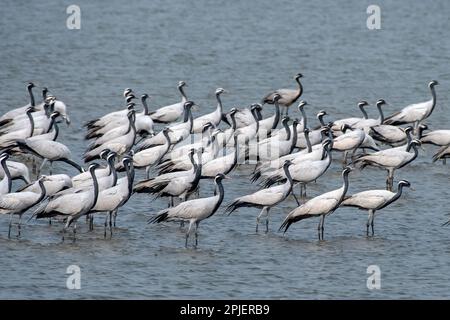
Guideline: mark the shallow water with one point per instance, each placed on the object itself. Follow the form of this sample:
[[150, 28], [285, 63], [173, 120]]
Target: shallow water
[[246, 48]]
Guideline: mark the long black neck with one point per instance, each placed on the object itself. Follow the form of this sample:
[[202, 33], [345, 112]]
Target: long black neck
[[7, 174], [219, 103], [94, 179], [302, 110], [197, 176], [322, 123], [288, 130], [365, 115], [381, 113], [308, 142], [221, 195], [277, 116], [183, 95], [396, 196], [256, 119], [191, 121], [112, 170], [416, 151], [30, 117], [236, 153], [130, 177], [56, 128], [294, 136], [233, 121], [145, 105], [408, 140], [191, 158], [43, 192], [300, 87], [288, 176], [166, 134], [255, 115], [345, 187], [133, 129], [433, 94], [30, 92]]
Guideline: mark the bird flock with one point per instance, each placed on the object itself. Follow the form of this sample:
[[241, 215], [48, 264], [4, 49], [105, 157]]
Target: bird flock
[[178, 151]]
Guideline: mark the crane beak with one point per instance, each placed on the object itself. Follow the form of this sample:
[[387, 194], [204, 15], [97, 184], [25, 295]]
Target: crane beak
[[195, 107]]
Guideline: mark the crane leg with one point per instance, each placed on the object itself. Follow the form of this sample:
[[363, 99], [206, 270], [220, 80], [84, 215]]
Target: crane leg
[[259, 217], [188, 232], [10, 225], [371, 223], [368, 223], [267, 220], [40, 168], [196, 233], [115, 216], [74, 232], [105, 226], [320, 228], [110, 224], [19, 226], [298, 202]]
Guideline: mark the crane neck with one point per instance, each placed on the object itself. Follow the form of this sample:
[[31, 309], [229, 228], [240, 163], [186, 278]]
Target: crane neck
[[7, 174], [363, 111], [30, 117], [30, 93], [308, 142], [219, 186], [277, 115]]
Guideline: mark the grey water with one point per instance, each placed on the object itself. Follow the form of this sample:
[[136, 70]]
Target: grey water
[[248, 48]]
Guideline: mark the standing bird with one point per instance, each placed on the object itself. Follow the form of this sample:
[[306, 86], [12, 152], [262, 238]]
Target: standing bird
[[48, 150], [319, 206], [119, 145], [193, 211], [172, 112], [288, 96], [111, 199], [390, 159], [72, 205], [374, 200], [304, 172], [415, 113], [179, 185], [348, 141], [19, 202], [265, 198], [214, 117], [146, 158]]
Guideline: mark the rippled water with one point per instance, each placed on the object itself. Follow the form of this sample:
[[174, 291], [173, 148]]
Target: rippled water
[[247, 48]]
